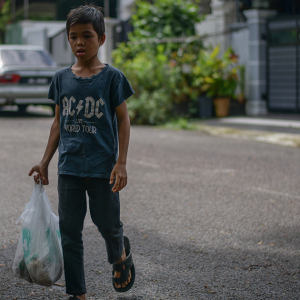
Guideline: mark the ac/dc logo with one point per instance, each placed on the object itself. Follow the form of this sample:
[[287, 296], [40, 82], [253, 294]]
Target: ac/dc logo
[[91, 107]]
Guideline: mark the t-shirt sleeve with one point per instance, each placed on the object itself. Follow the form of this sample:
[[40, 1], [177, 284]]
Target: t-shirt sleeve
[[53, 93], [121, 90]]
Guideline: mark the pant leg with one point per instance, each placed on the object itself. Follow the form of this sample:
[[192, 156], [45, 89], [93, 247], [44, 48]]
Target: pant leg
[[105, 213], [72, 211]]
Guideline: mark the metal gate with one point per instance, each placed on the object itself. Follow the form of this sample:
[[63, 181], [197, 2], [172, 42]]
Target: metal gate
[[283, 65]]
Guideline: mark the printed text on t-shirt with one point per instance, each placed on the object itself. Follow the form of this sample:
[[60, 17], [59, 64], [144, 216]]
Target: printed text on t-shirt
[[90, 110], [72, 108]]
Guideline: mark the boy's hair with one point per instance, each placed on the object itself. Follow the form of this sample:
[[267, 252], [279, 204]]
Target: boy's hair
[[87, 14]]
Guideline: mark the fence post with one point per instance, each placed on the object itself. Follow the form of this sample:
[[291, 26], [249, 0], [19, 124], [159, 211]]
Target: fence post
[[257, 26]]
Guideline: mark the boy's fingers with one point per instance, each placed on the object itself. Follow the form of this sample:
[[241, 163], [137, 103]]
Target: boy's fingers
[[117, 188], [120, 183], [32, 171], [36, 178], [123, 183], [44, 180], [111, 179], [116, 185], [120, 186]]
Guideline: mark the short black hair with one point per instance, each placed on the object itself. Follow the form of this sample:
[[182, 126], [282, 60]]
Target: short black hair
[[87, 14]]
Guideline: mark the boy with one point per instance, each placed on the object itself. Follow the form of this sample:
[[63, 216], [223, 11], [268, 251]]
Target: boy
[[91, 126]]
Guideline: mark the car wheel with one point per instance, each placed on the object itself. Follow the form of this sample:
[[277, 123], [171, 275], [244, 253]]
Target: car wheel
[[22, 108]]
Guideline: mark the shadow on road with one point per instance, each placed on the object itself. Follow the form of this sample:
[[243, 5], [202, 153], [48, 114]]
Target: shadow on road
[[172, 270]]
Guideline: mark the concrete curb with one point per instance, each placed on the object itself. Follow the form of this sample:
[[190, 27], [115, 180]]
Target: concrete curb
[[283, 139]]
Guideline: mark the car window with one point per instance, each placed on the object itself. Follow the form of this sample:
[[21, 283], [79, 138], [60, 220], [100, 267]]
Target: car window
[[26, 57]]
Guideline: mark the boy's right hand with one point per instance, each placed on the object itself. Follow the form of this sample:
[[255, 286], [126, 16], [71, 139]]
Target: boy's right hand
[[42, 174]]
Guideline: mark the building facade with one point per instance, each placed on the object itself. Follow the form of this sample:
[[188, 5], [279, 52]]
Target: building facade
[[50, 33], [264, 33], [266, 36]]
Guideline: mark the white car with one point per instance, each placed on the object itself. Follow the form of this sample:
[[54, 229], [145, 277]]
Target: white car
[[25, 76]]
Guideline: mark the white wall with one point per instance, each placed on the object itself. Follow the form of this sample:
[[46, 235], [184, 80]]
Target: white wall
[[215, 28], [125, 9], [33, 32], [61, 50], [104, 54], [239, 41], [30, 29], [37, 38]]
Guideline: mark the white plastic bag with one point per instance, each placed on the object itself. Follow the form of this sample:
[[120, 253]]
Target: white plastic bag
[[39, 256]]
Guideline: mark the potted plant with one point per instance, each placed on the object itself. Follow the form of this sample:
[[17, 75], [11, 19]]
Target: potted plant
[[217, 77], [203, 103]]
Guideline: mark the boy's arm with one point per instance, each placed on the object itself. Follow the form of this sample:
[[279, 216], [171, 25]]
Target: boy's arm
[[42, 168], [119, 171]]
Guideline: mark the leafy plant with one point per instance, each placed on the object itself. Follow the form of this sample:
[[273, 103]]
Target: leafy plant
[[149, 108], [181, 123], [4, 18], [157, 62], [164, 18], [161, 22], [153, 80], [214, 76]]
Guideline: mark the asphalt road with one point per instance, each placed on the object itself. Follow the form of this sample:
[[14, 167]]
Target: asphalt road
[[207, 217]]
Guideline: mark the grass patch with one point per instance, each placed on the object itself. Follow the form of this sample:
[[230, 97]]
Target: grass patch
[[181, 124]]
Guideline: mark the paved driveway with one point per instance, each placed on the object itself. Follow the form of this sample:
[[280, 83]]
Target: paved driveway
[[208, 217]]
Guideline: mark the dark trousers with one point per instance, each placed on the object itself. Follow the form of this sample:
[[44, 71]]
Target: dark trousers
[[105, 213]]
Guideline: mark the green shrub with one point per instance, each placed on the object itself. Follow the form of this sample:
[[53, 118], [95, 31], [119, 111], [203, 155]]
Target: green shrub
[[150, 108], [154, 81], [217, 76], [165, 18], [156, 68]]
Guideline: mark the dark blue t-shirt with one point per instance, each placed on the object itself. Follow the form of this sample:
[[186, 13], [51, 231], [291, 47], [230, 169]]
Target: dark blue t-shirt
[[88, 145]]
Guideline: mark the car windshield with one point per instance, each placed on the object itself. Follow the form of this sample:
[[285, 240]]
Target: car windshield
[[26, 57]]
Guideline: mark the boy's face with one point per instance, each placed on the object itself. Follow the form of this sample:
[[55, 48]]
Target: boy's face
[[84, 41]]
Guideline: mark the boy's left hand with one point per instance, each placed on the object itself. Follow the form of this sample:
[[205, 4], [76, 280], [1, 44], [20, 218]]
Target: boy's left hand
[[118, 173]]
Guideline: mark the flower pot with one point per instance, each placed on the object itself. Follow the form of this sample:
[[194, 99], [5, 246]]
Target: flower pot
[[205, 107], [222, 106]]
